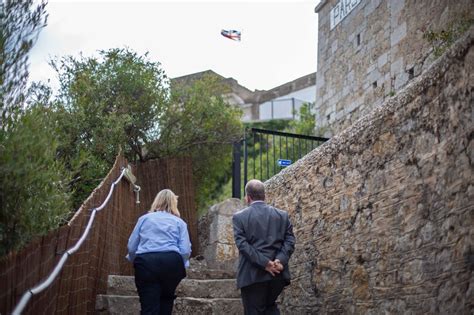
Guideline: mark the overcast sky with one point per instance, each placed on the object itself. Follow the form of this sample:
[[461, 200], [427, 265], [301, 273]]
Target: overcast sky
[[279, 38]]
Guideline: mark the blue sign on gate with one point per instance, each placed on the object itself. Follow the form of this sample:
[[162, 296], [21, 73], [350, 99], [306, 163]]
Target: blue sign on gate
[[284, 163]]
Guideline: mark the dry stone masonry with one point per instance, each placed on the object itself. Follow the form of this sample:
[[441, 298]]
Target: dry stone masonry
[[216, 236], [373, 51], [383, 213]]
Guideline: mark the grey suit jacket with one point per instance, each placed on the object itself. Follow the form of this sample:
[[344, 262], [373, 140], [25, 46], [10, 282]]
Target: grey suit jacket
[[262, 233]]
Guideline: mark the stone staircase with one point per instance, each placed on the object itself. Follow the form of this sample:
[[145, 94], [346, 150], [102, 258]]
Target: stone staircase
[[203, 291]]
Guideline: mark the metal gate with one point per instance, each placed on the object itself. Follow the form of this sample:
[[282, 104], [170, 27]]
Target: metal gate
[[263, 153]]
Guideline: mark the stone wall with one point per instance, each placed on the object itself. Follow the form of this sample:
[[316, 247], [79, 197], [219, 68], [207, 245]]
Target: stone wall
[[383, 213], [216, 236], [374, 52]]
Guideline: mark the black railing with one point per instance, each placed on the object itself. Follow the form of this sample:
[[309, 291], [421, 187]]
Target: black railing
[[266, 153]]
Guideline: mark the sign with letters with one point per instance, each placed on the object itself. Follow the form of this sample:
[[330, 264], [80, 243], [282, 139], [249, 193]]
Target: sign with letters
[[284, 163], [341, 10]]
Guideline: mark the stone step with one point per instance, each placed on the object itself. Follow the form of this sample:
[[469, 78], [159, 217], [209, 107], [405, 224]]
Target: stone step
[[130, 305], [121, 285], [201, 273], [195, 288], [218, 306], [215, 288], [200, 270]]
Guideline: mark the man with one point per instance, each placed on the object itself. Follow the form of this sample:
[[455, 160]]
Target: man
[[264, 237]]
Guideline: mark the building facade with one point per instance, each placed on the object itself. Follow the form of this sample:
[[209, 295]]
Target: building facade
[[282, 102], [237, 94], [370, 49]]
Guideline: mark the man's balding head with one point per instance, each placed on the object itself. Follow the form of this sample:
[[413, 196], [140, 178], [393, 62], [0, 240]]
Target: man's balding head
[[255, 190]]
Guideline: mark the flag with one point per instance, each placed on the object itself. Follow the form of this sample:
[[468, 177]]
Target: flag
[[231, 34]]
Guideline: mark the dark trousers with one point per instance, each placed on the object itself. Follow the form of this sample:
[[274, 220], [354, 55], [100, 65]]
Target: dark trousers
[[156, 276], [259, 298]]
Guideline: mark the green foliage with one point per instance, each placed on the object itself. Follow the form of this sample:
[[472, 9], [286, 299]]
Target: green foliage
[[443, 39], [115, 101], [199, 123], [263, 158], [306, 123], [223, 194], [265, 165], [265, 151], [106, 104], [20, 23], [124, 100], [274, 124], [34, 196]]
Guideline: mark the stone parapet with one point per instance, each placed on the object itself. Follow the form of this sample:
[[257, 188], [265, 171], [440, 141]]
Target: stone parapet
[[216, 235], [383, 212]]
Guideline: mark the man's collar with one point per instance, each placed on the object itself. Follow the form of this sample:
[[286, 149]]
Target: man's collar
[[257, 201]]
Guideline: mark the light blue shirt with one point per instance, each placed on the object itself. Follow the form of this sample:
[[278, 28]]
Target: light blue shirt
[[159, 231]]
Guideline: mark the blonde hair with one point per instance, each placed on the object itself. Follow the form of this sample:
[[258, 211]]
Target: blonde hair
[[167, 201]]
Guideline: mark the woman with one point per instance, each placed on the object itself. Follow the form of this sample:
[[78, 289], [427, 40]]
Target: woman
[[159, 248]]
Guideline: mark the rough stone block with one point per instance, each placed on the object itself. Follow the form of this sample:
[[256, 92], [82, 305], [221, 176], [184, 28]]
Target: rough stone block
[[400, 80], [396, 6], [117, 305], [216, 235], [374, 76], [382, 60], [397, 67], [130, 305], [398, 34], [213, 288], [334, 46], [121, 285], [194, 306]]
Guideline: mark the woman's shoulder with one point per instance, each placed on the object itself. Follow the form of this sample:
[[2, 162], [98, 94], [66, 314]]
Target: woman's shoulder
[[148, 215], [178, 219], [181, 221], [171, 216]]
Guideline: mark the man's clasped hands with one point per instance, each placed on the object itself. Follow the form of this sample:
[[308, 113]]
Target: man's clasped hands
[[274, 267]]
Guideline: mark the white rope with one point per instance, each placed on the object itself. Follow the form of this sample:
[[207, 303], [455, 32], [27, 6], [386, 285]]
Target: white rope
[[46, 283]]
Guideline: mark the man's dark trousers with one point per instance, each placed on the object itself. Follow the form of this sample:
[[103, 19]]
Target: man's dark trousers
[[259, 298], [156, 276]]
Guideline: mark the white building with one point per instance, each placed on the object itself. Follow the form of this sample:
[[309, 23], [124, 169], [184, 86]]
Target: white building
[[288, 105], [281, 102]]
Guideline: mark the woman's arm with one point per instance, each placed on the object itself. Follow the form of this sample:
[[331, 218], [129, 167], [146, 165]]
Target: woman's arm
[[184, 244], [134, 240]]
